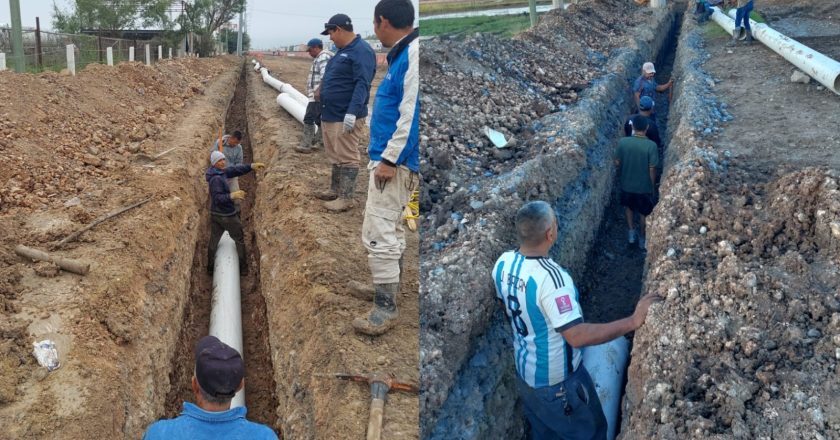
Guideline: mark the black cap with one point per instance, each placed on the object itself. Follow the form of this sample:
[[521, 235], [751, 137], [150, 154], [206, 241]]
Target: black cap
[[337, 20], [219, 368]]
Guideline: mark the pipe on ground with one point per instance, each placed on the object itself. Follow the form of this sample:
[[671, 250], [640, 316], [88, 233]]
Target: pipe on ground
[[607, 364], [292, 105], [283, 87], [226, 308], [728, 24], [823, 69]]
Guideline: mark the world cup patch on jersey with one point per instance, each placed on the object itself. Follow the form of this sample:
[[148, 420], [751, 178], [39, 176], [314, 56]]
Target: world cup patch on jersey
[[564, 303]]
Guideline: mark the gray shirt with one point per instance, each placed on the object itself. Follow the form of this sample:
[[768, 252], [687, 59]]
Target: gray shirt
[[233, 154]]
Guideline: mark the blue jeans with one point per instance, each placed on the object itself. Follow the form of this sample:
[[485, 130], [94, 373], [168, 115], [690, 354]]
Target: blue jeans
[[743, 13], [569, 410]]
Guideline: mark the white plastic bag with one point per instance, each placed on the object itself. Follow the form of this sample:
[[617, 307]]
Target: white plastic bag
[[47, 354]]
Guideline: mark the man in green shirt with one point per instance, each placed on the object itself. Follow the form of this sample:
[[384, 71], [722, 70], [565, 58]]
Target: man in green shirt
[[636, 159]]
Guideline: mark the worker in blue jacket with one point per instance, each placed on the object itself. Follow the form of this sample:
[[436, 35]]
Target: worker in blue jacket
[[394, 161], [223, 207], [345, 91]]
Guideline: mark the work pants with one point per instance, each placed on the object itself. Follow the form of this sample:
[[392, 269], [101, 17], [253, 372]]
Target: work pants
[[313, 114], [218, 225], [383, 233], [569, 410], [342, 148], [743, 13]]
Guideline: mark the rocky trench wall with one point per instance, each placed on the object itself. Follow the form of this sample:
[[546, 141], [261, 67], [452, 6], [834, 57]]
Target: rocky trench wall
[[466, 364]]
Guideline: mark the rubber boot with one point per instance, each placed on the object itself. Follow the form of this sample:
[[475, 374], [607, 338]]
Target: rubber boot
[[305, 146], [318, 139], [332, 193], [749, 38], [346, 188], [364, 291], [383, 316]]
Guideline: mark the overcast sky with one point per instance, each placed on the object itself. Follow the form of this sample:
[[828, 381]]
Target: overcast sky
[[271, 23]]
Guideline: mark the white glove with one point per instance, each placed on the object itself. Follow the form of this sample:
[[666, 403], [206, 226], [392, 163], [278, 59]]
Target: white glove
[[349, 122]]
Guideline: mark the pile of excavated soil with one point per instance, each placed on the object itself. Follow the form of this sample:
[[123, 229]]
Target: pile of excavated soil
[[508, 84], [68, 145], [308, 255]]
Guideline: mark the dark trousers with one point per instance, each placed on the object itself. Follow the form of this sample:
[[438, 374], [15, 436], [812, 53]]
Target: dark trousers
[[743, 13], [218, 225], [313, 114], [569, 410]]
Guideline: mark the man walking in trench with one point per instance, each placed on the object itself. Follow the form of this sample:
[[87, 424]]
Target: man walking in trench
[[345, 91], [394, 161]]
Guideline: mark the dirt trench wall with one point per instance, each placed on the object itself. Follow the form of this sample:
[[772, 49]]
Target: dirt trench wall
[[465, 343], [745, 344], [119, 324]]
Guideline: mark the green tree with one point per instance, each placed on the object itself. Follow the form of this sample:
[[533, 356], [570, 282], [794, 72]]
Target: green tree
[[112, 15], [205, 17], [227, 36]]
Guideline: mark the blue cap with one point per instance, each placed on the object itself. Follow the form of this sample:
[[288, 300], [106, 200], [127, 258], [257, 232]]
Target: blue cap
[[315, 42], [645, 103]]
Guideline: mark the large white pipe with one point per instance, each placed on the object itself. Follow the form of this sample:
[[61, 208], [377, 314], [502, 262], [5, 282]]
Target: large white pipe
[[225, 312], [607, 364], [292, 105], [818, 66], [283, 87]]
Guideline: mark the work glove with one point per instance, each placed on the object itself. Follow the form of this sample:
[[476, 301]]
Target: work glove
[[258, 166], [237, 195], [349, 122]]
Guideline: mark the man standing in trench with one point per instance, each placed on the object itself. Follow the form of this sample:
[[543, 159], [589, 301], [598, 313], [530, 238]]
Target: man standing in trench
[[312, 132], [394, 161], [542, 305], [637, 160], [645, 85], [345, 91]]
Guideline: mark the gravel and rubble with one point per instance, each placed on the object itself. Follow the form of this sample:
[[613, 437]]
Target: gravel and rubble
[[561, 154], [746, 251]]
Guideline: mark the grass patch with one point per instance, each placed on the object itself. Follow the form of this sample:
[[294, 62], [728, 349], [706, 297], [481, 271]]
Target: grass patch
[[442, 7], [502, 25]]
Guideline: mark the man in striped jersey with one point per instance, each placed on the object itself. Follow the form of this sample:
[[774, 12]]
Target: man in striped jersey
[[394, 165], [542, 304]]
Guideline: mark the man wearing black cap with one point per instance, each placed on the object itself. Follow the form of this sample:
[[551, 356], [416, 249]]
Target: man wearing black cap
[[219, 374], [345, 91], [312, 118]]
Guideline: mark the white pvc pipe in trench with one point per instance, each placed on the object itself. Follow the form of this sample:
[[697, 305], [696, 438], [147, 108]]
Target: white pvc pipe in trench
[[607, 364], [226, 307]]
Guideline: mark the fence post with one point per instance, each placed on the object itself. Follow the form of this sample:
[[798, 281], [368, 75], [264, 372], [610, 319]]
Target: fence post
[[17, 37], [160, 52], [110, 55], [170, 53], [2, 61], [131, 54], [99, 45], [148, 56], [38, 55], [71, 59]]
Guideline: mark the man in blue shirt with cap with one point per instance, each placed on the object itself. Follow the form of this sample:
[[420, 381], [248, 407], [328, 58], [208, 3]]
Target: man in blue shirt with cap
[[219, 374], [345, 92]]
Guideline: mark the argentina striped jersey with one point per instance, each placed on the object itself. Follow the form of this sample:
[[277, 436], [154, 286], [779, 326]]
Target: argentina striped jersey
[[539, 297]]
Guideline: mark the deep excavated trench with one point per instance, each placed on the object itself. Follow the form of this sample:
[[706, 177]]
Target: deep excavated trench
[[260, 396]]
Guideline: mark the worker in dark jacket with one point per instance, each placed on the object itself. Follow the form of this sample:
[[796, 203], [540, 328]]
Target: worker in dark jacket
[[223, 210], [345, 91]]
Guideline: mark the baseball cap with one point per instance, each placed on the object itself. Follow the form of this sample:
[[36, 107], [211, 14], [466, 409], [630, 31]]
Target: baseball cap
[[645, 103], [648, 67], [216, 156], [315, 42], [337, 20], [219, 369]]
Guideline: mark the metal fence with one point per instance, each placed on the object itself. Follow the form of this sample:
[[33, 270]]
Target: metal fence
[[48, 50]]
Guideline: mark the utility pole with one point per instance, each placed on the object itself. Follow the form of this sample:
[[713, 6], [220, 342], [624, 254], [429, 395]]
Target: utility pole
[[239, 38], [17, 36], [532, 4]]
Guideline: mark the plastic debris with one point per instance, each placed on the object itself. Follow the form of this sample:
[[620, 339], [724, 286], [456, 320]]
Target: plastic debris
[[47, 354], [498, 139]]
